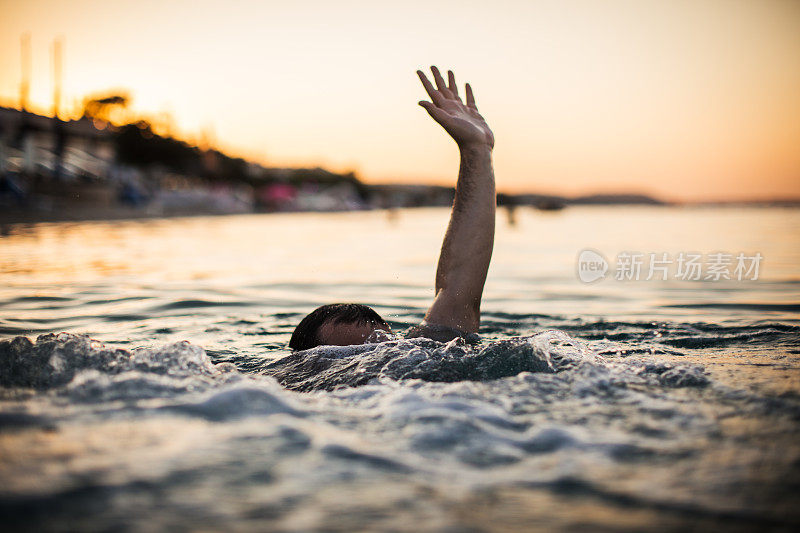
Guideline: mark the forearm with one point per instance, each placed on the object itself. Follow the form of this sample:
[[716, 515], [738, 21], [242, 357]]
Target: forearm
[[467, 247]]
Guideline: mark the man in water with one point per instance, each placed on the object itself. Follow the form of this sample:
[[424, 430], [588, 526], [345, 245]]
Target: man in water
[[466, 250]]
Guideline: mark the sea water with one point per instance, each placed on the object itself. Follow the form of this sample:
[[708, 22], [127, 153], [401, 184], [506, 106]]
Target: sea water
[[145, 381]]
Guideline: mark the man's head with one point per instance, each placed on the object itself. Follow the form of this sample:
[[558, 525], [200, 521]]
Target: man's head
[[336, 325]]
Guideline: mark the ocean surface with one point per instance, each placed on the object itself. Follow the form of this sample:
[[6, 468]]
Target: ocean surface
[[146, 384]]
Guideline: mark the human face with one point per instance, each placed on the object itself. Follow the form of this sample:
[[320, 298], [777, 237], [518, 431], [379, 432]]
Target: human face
[[345, 334]]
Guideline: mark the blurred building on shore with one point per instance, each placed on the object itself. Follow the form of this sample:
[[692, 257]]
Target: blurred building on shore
[[92, 168]]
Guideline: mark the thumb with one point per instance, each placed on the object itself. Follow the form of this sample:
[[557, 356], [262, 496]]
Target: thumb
[[433, 111]]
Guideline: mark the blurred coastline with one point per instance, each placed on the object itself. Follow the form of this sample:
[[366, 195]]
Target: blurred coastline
[[94, 168]]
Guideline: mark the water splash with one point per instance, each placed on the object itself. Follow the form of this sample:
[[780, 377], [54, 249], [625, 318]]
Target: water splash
[[529, 414]]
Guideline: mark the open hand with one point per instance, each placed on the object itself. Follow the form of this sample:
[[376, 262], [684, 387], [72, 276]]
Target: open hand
[[462, 121]]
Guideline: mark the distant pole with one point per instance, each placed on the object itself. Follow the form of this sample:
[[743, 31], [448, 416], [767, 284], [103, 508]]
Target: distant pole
[[60, 140], [25, 84], [57, 72]]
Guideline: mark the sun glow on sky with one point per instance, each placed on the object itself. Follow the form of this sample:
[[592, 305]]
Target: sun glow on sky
[[686, 100]]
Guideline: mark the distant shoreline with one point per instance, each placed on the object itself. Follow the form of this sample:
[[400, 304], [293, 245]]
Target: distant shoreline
[[11, 216]]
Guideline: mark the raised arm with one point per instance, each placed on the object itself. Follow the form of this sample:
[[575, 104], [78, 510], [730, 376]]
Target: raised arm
[[467, 248]]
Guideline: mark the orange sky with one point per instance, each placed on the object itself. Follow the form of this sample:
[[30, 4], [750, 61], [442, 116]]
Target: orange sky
[[684, 99]]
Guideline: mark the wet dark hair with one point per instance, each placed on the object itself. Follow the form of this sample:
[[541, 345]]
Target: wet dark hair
[[305, 335]]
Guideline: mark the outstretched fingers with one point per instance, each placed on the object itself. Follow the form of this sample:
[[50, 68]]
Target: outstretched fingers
[[451, 84], [447, 93], [437, 97], [471, 98]]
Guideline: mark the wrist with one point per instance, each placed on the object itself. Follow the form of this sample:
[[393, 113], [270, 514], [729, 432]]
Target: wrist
[[475, 149]]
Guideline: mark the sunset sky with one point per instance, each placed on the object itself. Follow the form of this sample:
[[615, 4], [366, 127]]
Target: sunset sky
[[686, 100]]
